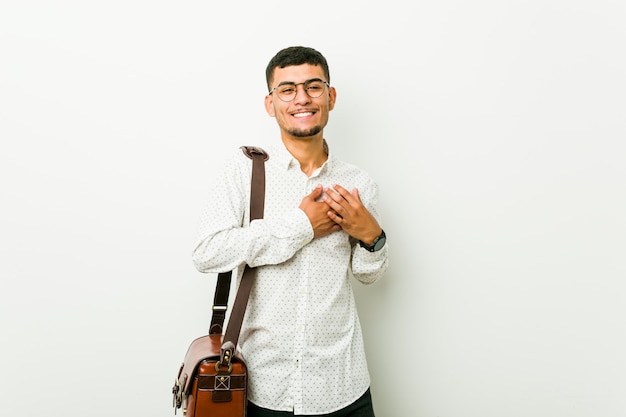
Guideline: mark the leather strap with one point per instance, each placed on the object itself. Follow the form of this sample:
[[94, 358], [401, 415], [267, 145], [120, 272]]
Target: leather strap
[[257, 204], [220, 302]]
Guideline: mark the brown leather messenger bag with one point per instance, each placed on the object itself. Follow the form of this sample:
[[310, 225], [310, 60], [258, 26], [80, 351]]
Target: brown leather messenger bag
[[213, 378]]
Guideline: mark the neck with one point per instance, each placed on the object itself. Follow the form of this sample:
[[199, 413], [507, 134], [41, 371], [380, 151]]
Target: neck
[[311, 153]]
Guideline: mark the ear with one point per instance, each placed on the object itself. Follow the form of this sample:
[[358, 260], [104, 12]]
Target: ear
[[332, 97], [269, 105]]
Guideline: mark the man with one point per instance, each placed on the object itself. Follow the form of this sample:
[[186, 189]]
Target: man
[[301, 338]]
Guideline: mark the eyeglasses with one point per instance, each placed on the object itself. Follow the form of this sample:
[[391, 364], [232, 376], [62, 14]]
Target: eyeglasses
[[287, 91]]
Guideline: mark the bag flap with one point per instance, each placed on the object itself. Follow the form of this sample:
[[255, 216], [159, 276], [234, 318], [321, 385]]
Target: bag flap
[[202, 348]]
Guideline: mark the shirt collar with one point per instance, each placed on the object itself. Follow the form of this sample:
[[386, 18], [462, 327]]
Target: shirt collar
[[285, 160]]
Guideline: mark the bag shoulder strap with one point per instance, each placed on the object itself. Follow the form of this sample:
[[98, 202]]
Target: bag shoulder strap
[[220, 302], [257, 202]]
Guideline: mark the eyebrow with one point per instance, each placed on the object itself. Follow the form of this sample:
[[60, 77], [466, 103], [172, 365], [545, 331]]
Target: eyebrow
[[293, 83]]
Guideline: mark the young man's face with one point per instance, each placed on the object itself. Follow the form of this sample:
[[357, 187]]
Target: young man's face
[[303, 116]]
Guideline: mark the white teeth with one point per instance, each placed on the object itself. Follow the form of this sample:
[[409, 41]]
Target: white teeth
[[303, 114]]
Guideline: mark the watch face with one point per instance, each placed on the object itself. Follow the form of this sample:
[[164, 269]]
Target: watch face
[[380, 243]]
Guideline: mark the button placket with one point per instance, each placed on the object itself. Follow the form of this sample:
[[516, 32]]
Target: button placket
[[302, 297]]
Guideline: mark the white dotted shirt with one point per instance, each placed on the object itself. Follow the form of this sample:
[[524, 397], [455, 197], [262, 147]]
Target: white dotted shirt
[[301, 338]]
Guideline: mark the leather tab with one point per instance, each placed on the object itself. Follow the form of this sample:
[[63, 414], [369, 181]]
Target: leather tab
[[226, 353], [251, 151], [222, 396]]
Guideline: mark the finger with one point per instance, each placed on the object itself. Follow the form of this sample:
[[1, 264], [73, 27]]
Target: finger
[[335, 217], [345, 194], [338, 195], [332, 198], [355, 195], [337, 203]]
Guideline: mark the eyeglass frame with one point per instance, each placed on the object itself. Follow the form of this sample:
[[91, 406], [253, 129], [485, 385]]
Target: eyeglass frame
[[296, 85]]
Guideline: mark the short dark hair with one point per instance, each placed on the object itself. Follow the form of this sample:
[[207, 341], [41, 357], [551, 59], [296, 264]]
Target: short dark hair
[[295, 55]]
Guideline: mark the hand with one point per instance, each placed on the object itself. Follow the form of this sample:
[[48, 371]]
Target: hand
[[348, 211], [319, 213]]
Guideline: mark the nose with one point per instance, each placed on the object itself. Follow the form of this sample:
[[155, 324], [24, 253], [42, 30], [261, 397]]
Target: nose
[[301, 95]]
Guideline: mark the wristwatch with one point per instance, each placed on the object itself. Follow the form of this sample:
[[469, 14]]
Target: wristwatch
[[378, 244]]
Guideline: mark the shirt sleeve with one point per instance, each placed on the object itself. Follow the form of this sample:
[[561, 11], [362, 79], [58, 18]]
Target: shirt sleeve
[[368, 267], [226, 239]]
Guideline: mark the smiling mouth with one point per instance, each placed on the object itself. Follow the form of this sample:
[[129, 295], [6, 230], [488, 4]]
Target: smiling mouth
[[303, 114]]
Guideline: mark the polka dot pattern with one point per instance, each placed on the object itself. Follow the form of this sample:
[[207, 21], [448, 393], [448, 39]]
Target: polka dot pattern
[[301, 337]]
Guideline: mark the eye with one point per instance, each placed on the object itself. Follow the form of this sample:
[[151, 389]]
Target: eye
[[288, 89], [316, 86]]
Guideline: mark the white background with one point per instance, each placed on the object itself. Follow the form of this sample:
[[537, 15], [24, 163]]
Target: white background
[[495, 130]]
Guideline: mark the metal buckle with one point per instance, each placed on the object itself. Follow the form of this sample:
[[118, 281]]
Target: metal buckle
[[222, 382], [177, 392], [218, 364]]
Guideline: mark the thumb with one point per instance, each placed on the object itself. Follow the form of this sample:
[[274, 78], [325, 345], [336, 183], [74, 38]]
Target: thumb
[[317, 192]]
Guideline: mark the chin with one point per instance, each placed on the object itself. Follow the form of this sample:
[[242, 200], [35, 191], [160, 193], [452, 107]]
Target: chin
[[299, 133]]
